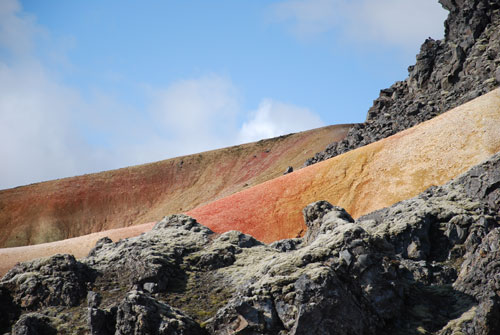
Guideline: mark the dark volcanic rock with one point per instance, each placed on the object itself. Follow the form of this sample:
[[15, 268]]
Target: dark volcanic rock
[[150, 264], [140, 314], [34, 324], [447, 73], [480, 278], [313, 217], [101, 322], [482, 182], [59, 280], [8, 310]]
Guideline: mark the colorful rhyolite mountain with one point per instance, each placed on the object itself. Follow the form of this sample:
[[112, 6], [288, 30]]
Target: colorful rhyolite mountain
[[72, 207], [363, 180]]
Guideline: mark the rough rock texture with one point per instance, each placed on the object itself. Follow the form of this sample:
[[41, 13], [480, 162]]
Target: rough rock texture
[[447, 73], [139, 313], [482, 182], [34, 324], [427, 265], [59, 280], [9, 311]]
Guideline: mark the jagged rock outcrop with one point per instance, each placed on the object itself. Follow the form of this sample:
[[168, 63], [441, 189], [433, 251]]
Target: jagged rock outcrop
[[447, 73], [34, 324], [427, 265], [60, 280]]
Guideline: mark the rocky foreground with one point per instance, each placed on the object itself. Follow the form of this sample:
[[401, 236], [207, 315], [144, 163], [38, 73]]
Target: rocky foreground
[[428, 265]]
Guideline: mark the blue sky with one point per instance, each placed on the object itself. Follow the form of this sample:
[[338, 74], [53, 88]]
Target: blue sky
[[87, 86]]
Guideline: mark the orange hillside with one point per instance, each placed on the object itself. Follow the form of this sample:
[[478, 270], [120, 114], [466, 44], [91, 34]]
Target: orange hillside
[[368, 178]]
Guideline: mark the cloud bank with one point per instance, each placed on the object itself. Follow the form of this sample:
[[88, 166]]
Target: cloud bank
[[400, 23]]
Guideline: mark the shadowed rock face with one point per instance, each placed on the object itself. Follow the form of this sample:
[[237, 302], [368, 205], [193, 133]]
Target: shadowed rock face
[[426, 265], [368, 178], [447, 74], [70, 207]]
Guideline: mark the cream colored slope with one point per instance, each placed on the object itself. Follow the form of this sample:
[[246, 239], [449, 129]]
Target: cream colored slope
[[77, 246]]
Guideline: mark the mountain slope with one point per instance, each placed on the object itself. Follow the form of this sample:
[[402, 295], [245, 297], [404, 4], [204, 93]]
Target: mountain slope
[[70, 207], [427, 265], [363, 180]]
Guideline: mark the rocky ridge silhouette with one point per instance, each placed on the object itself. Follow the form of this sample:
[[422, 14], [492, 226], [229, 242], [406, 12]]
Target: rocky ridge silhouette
[[447, 73]]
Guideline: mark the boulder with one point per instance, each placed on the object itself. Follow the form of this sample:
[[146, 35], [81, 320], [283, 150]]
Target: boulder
[[59, 280], [139, 314]]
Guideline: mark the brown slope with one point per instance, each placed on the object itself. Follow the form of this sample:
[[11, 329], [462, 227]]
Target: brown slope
[[71, 207]]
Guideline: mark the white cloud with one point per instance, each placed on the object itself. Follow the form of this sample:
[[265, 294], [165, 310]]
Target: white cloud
[[198, 110], [37, 141], [274, 118], [189, 116], [17, 31], [310, 17], [35, 129], [201, 114], [402, 23]]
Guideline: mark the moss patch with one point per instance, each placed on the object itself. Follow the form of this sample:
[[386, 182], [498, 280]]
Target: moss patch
[[200, 296]]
